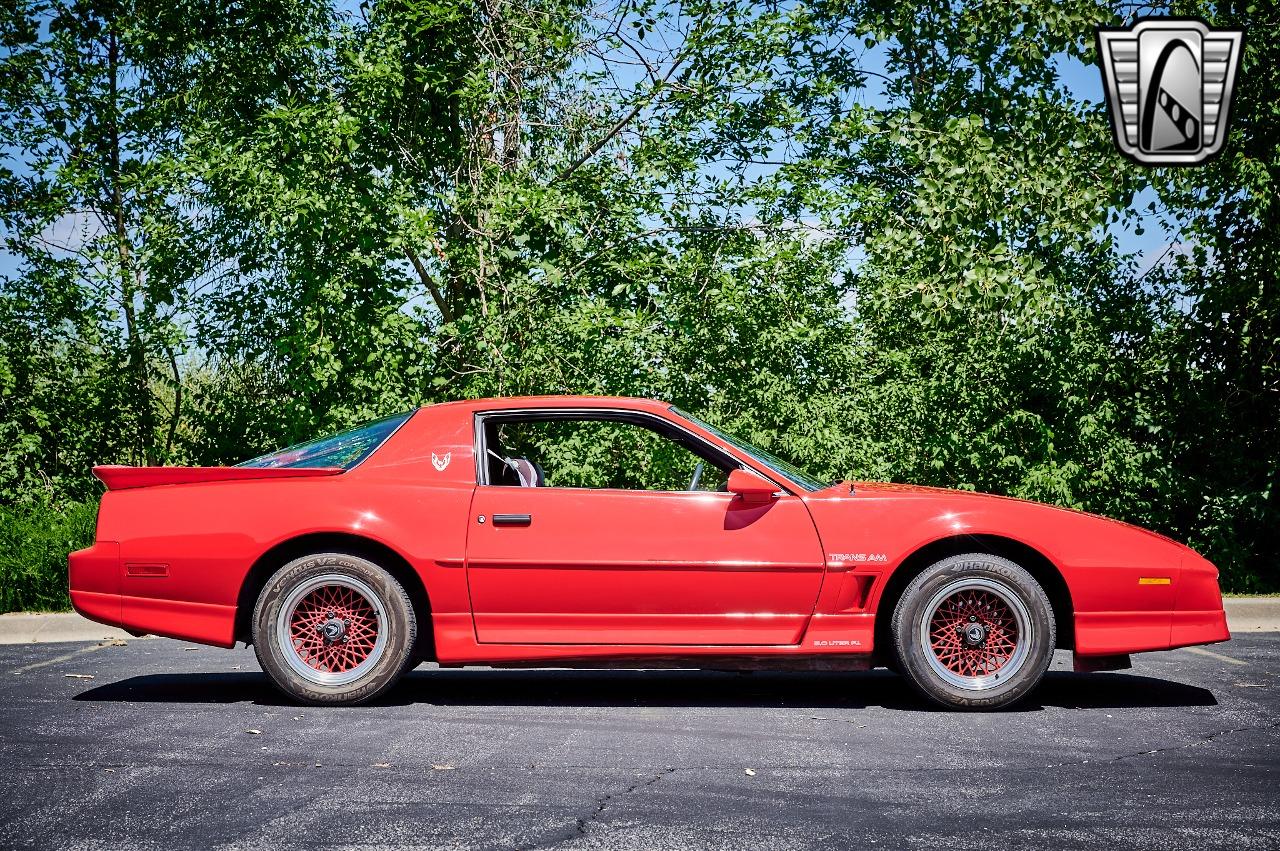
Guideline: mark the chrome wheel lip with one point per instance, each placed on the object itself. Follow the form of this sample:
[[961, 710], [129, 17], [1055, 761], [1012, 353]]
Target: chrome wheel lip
[[1022, 618], [284, 635]]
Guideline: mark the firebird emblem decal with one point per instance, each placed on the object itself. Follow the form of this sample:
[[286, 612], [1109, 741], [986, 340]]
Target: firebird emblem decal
[[440, 463]]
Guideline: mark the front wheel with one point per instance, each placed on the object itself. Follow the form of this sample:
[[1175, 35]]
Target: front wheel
[[333, 628], [974, 631]]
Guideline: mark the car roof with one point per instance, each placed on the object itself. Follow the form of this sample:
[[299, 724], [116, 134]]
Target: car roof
[[501, 403]]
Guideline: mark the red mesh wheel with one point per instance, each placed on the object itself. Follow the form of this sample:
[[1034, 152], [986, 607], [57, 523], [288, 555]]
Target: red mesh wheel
[[334, 629], [974, 633]]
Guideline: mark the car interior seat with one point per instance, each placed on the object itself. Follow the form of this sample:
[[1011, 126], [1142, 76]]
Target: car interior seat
[[529, 473]]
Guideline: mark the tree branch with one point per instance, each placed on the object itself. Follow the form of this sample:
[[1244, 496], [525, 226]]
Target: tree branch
[[423, 275], [621, 123]]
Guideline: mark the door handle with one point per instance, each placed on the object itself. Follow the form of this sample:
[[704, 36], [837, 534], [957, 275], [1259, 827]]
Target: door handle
[[512, 519]]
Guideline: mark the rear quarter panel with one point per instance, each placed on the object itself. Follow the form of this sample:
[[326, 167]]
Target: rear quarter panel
[[210, 535]]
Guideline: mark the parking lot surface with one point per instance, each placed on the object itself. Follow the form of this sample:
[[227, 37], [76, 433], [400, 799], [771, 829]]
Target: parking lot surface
[[160, 744]]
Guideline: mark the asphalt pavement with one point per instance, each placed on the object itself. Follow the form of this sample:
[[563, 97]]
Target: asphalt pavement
[[160, 744]]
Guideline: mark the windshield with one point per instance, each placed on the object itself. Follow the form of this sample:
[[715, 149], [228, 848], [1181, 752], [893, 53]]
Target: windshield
[[345, 449], [774, 463]]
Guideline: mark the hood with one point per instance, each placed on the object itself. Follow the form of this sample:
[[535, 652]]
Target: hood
[[895, 489]]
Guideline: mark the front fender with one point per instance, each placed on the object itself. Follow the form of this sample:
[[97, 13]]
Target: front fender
[[1125, 583]]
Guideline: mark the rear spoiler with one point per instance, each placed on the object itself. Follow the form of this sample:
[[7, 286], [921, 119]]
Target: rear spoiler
[[117, 477]]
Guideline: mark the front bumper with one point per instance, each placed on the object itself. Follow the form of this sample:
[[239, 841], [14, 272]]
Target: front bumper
[[1115, 633]]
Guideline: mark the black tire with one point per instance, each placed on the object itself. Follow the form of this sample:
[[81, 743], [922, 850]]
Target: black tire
[[378, 635], [974, 631]]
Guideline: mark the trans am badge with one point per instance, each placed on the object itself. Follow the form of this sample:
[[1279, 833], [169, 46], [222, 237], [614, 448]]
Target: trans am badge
[[440, 463], [1168, 83]]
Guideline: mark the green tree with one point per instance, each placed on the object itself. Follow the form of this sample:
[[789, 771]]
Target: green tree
[[878, 238], [97, 220], [1219, 393]]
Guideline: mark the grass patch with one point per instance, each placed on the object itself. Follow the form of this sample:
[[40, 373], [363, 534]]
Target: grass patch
[[34, 543]]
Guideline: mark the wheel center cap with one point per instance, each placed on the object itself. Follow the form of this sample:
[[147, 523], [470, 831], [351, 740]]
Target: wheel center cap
[[974, 634], [333, 629]]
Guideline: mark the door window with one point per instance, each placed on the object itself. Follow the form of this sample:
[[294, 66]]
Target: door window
[[563, 452]]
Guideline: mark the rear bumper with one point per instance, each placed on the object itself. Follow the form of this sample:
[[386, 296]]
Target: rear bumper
[[94, 578]]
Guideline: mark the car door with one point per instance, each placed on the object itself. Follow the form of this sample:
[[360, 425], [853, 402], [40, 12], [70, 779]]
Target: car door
[[550, 564]]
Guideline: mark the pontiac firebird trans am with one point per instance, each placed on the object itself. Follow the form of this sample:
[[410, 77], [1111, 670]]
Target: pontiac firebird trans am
[[610, 532]]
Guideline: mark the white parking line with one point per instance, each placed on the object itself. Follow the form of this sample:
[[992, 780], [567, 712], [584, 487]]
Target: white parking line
[[65, 656], [1200, 651]]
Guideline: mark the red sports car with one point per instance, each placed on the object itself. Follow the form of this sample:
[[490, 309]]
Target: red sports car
[[591, 531]]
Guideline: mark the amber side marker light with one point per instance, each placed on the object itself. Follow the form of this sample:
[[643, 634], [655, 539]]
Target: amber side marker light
[[1154, 580]]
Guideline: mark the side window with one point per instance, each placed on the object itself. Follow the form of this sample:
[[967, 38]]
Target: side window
[[593, 453]]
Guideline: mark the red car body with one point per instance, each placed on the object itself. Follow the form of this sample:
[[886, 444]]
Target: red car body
[[608, 576]]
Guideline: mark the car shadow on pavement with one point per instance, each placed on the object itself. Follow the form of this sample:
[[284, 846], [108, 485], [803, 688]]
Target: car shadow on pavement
[[650, 688]]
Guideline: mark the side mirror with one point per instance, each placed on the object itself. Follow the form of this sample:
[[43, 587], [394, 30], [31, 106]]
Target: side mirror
[[753, 489]]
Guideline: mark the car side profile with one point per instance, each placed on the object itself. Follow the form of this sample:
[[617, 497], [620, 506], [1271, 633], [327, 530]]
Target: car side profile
[[595, 531]]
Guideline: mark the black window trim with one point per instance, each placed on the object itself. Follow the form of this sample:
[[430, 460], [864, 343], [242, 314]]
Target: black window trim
[[670, 429]]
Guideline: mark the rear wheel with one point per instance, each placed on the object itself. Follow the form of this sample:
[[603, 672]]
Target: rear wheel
[[333, 628], [974, 631]]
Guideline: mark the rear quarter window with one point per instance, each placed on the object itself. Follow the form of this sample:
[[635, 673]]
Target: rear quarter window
[[344, 449]]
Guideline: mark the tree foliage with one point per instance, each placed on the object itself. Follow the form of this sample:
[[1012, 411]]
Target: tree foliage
[[879, 238]]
